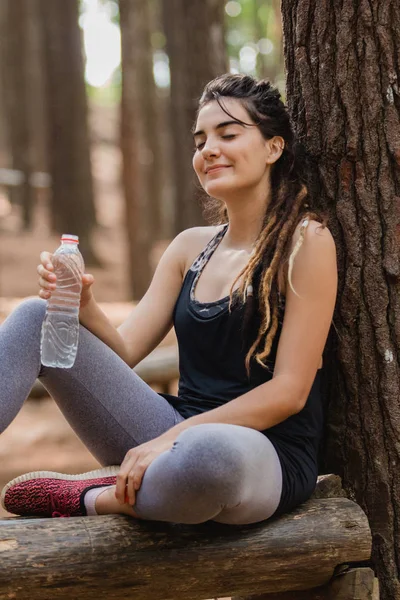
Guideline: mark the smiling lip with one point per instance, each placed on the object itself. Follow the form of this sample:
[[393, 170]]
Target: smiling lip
[[216, 168]]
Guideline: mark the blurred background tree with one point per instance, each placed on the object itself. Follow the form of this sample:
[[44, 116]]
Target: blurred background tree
[[195, 44], [72, 201], [16, 50], [95, 86]]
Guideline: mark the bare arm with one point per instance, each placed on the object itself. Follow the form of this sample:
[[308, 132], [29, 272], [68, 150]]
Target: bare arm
[[94, 319], [149, 321]]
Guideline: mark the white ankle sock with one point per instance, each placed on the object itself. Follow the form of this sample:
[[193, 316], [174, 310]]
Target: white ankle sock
[[90, 499]]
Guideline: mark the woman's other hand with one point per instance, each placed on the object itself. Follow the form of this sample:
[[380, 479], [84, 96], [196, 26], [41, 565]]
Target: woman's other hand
[[48, 280], [134, 465]]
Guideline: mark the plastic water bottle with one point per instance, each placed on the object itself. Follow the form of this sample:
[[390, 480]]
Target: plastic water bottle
[[60, 329]]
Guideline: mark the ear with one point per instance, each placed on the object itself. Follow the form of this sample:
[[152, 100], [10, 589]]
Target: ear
[[275, 146]]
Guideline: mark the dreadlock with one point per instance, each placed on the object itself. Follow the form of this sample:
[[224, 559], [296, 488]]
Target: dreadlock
[[290, 204]]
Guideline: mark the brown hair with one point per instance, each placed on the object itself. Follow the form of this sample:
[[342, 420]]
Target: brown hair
[[289, 204]]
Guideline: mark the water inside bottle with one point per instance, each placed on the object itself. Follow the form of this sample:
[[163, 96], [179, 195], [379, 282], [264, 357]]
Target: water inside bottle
[[60, 330]]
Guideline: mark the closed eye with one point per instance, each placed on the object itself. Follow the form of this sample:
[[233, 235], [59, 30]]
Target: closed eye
[[224, 137]]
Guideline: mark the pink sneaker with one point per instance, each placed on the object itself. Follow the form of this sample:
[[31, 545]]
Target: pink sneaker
[[49, 494]]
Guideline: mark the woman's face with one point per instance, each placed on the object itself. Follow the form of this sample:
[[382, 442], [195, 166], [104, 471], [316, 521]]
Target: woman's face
[[241, 151]]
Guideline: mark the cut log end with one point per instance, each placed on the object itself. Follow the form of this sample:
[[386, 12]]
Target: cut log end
[[353, 584]]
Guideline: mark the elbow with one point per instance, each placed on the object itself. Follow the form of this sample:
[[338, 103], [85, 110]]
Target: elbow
[[301, 400], [299, 406], [297, 395], [123, 353]]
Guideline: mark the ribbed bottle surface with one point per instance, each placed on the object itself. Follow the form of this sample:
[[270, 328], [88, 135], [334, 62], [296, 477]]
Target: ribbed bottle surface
[[60, 329]]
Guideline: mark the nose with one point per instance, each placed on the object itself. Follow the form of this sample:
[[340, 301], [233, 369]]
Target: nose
[[210, 149]]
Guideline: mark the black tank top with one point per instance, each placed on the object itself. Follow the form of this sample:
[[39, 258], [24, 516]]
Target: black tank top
[[212, 351]]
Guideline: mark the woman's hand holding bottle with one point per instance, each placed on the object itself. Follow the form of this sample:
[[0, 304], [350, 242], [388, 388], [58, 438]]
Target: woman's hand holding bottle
[[48, 280], [90, 314]]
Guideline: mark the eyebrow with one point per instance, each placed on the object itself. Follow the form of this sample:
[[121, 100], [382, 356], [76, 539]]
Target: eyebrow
[[219, 126]]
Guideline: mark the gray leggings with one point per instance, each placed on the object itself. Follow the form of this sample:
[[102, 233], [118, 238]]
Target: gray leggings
[[219, 472]]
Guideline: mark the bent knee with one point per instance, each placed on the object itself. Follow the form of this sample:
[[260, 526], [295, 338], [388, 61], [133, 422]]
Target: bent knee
[[209, 456], [32, 307]]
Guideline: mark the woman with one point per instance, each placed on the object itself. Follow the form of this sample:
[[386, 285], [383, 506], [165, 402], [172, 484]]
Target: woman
[[251, 299]]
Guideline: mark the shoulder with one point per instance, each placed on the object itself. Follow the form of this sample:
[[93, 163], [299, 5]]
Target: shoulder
[[186, 246], [310, 241], [314, 233], [194, 239], [194, 234], [313, 251]]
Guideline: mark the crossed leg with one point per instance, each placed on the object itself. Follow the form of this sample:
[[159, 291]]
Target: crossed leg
[[223, 472]]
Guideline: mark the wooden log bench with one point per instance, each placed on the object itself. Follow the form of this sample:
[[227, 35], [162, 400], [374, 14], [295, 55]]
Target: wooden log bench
[[320, 551]]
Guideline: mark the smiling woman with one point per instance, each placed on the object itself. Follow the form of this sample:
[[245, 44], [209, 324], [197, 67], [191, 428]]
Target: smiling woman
[[251, 298], [232, 143]]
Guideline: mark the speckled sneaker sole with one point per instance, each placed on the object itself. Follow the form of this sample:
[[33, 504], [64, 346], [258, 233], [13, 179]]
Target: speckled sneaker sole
[[47, 493]]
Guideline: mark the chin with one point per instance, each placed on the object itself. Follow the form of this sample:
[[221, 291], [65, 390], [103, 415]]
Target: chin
[[219, 189]]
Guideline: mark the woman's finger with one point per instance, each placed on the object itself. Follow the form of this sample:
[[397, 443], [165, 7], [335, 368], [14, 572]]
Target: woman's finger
[[128, 501], [44, 294], [134, 482], [46, 274], [45, 259], [120, 487], [47, 285], [130, 488], [137, 481], [88, 279], [122, 477]]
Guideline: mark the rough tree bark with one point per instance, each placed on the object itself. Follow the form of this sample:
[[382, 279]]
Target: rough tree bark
[[73, 208], [140, 142], [196, 50], [343, 64]]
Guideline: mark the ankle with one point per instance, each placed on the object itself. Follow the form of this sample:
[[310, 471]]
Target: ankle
[[104, 504], [107, 504]]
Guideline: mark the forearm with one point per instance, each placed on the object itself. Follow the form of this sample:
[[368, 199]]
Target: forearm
[[260, 408], [94, 319]]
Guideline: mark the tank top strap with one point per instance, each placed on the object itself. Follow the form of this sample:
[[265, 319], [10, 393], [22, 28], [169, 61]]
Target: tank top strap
[[205, 309], [202, 259]]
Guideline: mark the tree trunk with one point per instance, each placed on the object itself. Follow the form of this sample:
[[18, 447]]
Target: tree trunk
[[196, 50], [149, 125], [260, 32], [36, 89], [16, 50], [139, 142], [3, 117], [343, 67], [68, 140]]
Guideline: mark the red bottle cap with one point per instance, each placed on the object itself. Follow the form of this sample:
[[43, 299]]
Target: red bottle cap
[[68, 237]]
